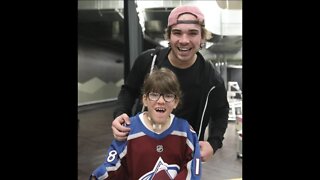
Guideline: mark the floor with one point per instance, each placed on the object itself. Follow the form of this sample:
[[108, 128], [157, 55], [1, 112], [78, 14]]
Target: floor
[[95, 135]]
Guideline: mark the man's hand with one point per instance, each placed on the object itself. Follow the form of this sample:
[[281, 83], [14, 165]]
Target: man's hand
[[206, 150], [119, 129]]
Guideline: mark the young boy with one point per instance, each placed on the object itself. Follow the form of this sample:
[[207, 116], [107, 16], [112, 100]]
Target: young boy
[[160, 145]]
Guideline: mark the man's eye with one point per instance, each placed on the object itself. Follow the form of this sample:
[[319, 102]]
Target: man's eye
[[176, 33], [194, 33]]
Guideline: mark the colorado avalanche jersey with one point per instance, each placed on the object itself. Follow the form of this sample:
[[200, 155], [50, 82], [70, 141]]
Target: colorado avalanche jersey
[[146, 155]]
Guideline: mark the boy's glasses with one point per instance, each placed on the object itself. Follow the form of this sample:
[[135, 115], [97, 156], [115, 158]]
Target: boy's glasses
[[156, 96]]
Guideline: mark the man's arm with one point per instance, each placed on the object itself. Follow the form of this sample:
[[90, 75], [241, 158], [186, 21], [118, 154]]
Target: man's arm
[[125, 102], [122, 112], [218, 121], [129, 92]]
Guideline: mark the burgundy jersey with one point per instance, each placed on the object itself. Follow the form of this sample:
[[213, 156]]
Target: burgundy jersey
[[146, 155]]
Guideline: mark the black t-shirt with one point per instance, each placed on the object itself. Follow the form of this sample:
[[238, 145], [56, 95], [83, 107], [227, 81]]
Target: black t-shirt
[[189, 79]]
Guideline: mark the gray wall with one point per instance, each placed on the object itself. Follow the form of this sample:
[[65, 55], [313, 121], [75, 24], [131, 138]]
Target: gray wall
[[100, 72]]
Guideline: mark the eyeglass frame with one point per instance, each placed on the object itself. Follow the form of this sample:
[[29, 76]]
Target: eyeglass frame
[[164, 96]]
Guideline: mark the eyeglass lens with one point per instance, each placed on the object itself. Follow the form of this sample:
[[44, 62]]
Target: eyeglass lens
[[156, 96]]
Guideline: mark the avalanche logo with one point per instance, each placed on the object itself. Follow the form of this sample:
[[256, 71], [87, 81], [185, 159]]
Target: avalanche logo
[[161, 171]]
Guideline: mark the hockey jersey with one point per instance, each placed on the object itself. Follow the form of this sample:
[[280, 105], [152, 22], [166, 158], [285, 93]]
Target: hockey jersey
[[146, 155]]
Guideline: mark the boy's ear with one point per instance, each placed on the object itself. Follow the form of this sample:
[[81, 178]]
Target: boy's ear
[[144, 100], [176, 104]]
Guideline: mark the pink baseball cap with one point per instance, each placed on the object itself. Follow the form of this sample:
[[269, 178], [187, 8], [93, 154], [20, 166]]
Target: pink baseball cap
[[185, 9]]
